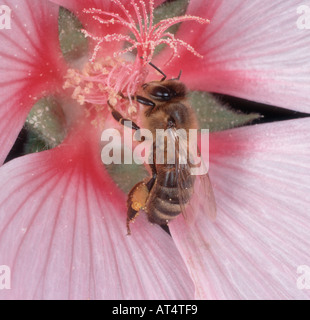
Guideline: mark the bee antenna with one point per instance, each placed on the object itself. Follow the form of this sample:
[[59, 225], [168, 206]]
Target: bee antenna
[[156, 68], [179, 76]]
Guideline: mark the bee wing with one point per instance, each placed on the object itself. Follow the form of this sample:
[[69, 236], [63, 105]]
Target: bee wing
[[206, 199], [195, 190]]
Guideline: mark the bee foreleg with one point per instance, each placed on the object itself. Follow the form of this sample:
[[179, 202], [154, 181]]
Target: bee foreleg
[[145, 101], [119, 118]]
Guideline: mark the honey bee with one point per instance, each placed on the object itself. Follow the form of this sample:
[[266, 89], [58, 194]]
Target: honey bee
[[168, 191]]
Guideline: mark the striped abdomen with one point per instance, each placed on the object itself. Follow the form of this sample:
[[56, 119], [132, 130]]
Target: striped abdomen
[[171, 190]]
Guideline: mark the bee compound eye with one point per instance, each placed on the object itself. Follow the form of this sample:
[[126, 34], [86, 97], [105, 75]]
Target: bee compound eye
[[161, 93]]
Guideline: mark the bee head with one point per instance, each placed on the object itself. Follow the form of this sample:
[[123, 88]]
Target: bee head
[[164, 91]]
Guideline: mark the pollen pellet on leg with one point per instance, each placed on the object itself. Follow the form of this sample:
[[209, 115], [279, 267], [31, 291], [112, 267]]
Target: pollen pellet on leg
[[113, 101], [139, 196], [136, 206]]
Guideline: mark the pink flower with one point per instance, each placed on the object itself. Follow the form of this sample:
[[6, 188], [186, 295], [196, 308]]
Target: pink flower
[[62, 219]]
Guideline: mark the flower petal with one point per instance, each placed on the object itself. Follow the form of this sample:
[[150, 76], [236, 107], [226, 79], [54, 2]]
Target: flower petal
[[261, 177], [252, 50], [30, 64], [63, 234]]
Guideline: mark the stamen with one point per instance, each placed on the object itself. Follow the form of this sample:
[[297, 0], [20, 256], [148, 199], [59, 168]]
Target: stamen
[[102, 81], [148, 37], [137, 14], [145, 17], [182, 43], [151, 8], [167, 23], [124, 10]]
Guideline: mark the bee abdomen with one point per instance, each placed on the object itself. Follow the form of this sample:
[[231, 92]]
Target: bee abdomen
[[167, 207], [171, 191], [160, 211], [170, 179], [172, 196], [165, 203]]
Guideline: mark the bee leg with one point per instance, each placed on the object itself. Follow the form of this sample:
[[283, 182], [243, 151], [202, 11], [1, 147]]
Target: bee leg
[[123, 121], [137, 198], [142, 100], [131, 216], [145, 101]]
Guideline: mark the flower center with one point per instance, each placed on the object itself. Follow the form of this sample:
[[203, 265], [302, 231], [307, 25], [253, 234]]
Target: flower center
[[108, 79]]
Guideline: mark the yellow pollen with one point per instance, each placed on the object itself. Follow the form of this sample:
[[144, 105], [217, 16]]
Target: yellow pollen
[[97, 66], [80, 99], [101, 87], [76, 92], [77, 79], [70, 73], [136, 205], [86, 90], [102, 81], [113, 101], [67, 84], [104, 71], [132, 109]]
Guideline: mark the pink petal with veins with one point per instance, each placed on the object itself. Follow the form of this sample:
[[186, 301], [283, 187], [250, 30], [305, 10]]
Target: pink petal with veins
[[63, 233], [254, 51], [261, 179], [31, 64]]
